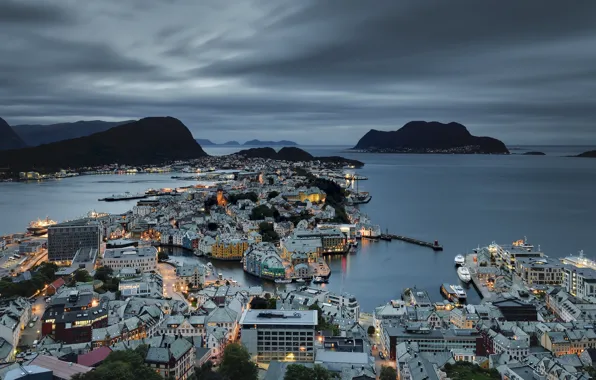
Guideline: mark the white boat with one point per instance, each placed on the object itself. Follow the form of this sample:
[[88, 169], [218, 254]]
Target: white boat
[[301, 280], [464, 274], [460, 260], [320, 280], [282, 281], [523, 244], [461, 293]]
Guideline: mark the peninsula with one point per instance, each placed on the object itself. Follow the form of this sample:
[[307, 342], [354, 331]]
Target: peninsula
[[429, 137], [294, 154], [9, 139], [149, 141]]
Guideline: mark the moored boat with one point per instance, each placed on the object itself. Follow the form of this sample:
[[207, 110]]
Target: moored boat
[[40, 227], [454, 293], [320, 280], [460, 260], [464, 274], [282, 281]]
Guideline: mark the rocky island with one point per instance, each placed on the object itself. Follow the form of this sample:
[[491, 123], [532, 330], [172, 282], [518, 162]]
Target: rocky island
[[9, 139], [588, 154], [149, 141], [534, 153], [270, 143], [429, 137], [294, 154]]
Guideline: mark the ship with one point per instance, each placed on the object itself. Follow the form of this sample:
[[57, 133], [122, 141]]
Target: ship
[[40, 227], [454, 293], [523, 244], [460, 260], [123, 197], [579, 261], [464, 274]]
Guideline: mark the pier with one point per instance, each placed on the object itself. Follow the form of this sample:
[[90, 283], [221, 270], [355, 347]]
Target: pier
[[435, 245]]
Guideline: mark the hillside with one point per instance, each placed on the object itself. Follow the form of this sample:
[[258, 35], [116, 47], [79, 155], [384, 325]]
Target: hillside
[[152, 140], [270, 143], [295, 155], [588, 154], [429, 137], [34, 134], [9, 139]]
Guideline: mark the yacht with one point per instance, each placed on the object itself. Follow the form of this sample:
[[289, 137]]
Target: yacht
[[282, 281], [320, 280], [464, 274], [461, 293], [460, 260], [300, 280], [454, 293], [523, 244], [579, 261]]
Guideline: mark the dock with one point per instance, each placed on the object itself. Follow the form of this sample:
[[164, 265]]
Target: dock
[[434, 245]]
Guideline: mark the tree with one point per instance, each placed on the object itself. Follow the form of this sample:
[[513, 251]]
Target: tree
[[82, 275], [300, 372], [236, 364], [103, 273], [271, 180], [205, 372], [371, 330], [388, 373], [272, 194], [212, 226], [121, 365]]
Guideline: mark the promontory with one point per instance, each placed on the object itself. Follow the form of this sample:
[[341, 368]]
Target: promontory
[[429, 137]]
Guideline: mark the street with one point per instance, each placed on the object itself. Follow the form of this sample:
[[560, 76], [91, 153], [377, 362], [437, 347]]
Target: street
[[168, 274], [32, 333], [365, 321]]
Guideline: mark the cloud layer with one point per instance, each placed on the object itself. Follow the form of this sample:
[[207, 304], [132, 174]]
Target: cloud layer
[[310, 70]]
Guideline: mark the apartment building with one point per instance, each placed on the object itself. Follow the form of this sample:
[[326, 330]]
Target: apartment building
[[284, 335], [65, 239], [539, 271], [142, 258], [172, 358]]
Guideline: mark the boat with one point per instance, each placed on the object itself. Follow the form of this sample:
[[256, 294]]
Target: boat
[[579, 261], [123, 197], [460, 260], [523, 244], [454, 293], [320, 280], [464, 274], [40, 227], [300, 280], [282, 281]]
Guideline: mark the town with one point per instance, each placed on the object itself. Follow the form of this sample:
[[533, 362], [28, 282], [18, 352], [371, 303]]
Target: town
[[76, 294]]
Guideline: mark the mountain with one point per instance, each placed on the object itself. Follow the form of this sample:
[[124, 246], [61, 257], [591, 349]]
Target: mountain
[[152, 140], [429, 137], [9, 139], [34, 134], [270, 143], [589, 154], [233, 142], [205, 142], [295, 155]]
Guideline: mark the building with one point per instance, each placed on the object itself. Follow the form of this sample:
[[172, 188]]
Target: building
[[580, 282], [229, 249], [279, 335], [85, 259], [205, 245], [172, 357], [60, 370], [14, 316], [141, 285], [302, 194], [462, 318], [346, 303], [142, 258], [30, 247], [65, 239], [332, 239], [189, 277], [539, 271], [72, 315], [263, 260], [514, 310]]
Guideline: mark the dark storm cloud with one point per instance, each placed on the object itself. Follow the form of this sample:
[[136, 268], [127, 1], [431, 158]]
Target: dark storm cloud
[[520, 71]]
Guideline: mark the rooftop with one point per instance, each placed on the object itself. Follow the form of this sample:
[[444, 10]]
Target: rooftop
[[279, 317], [62, 370], [130, 252]]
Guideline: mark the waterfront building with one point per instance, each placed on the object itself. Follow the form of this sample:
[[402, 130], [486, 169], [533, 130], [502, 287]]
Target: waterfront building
[[142, 258], [205, 245], [190, 276], [263, 260], [65, 239], [539, 271], [508, 255], [580, 282], [291, 246], [332, 239], [231, 249], [279, 335], [172, 358]]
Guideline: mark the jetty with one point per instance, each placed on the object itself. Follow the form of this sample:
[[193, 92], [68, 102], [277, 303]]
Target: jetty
[[434, 245]]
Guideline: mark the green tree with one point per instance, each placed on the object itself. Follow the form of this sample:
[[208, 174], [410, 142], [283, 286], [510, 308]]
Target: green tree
[[236, 364], [212, 226], [103, 273], [272, 194], [300, 372], [121, 365], [371, 330], [205, 372], [82, 275], [388, 373]]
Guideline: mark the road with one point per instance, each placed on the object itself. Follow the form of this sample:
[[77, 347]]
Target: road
[[32, 333], [7, 265], [365, 321], [168, 274]]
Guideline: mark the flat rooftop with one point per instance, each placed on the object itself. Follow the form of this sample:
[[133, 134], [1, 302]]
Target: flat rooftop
[[279, 317], [129, 252]]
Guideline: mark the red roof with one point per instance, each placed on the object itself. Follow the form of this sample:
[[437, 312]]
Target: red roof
[[94, 357], [58, 283]]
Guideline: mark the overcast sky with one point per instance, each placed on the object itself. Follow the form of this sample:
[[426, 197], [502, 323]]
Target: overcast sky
[[323, 71]]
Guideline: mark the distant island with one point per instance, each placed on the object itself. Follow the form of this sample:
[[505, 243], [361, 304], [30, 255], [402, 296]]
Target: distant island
[[37, 134], [9, 139], [294, 154], [206, 142], [270, 143], [429, 137], [588, 154], [534, 153], [149, 141]]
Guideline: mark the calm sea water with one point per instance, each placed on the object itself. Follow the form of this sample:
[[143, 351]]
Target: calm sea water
[[462, 201]]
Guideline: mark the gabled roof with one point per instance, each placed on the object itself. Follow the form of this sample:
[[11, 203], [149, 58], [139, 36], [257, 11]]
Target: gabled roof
[[58, 283], [94, 357]]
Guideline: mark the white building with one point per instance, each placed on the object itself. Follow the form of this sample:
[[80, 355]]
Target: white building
[[279, 335], [142, 258], [205, 245], [14, 316], [143, 285]]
